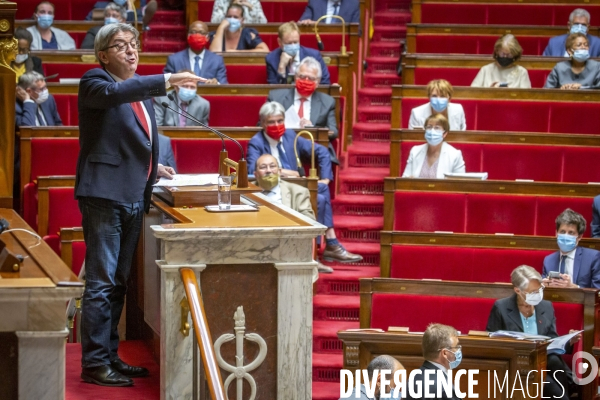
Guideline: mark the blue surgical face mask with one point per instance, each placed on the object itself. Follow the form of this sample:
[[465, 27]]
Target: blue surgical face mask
[[581, 55], [45, 20], [434, 136], [566, 242], [234, 24], [439, 104], [120, 3], [292, 49], [186, 94], [579, 28], [110, 20], [457, 360]]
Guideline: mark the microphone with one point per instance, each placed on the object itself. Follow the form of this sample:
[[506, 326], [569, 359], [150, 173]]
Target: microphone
[[320, 43]]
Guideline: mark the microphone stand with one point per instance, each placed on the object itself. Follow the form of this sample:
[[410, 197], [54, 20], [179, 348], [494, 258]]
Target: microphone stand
[[313, 171], [320, 43], [224, 162]]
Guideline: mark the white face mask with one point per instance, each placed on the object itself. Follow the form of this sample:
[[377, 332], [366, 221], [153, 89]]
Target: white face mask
[[42, 97], [535, 298], [21, 58]]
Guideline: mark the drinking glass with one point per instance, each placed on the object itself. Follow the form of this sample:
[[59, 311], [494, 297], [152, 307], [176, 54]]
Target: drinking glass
[[224, 186]]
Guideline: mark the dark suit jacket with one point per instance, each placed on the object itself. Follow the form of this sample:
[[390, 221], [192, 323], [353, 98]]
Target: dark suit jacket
[[432, 388], [586, 267], [349, 10], [596, 217], [272, 61], [88, 41], [115, 150], [212, 65], [556, 46], [322, 108], [259, 145], [165, 152], [505, 316], [25, 113]]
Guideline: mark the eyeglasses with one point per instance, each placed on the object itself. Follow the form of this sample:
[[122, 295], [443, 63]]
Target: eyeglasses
[[265, 167], [122, 46], [306, 77], [540, 290]]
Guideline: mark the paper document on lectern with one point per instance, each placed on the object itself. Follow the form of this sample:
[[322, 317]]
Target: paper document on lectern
[[189, 180], [559, 344]]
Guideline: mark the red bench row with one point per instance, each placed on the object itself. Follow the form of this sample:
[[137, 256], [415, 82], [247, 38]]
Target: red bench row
[[483, 213], [524, 161], [275, 11], [464, 76], [63, 9], [475, 44]]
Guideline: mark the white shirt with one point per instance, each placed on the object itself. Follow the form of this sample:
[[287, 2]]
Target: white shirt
[[274, 194], [331, 10], [273, 145], [294, 64], [306, 107], [192, 57], [570, 260]]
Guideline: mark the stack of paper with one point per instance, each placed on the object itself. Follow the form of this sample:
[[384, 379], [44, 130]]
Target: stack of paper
[[189, 180], [518, 335]]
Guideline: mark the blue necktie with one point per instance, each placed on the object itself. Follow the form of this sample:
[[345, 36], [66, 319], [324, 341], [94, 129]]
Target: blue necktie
[[562, 267], [40, 118], [197, 66], [336, 9], [282, 157]]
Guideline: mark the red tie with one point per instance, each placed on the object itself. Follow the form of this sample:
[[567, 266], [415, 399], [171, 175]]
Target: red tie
[[139, 112], [301, 109]]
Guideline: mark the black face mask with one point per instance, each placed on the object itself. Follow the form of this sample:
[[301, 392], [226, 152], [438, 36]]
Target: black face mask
[[505, 61]]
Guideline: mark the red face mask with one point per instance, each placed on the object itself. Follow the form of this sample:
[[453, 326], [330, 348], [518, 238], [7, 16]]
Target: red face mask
[[275, 131], [305, 87], [197, 42]]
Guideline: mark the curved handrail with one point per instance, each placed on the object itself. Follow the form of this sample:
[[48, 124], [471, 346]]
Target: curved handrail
[[213, 373]]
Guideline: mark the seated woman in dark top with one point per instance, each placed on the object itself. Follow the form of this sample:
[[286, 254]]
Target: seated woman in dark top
[[24, 61], [579, 72], [231, 35], [526, 311]]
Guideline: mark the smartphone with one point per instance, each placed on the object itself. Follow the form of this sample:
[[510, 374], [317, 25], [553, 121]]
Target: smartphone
[[554, 275], [503, 84]]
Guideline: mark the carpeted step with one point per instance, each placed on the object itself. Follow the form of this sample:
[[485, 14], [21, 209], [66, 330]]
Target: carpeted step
[[373, 80], [367, 181], [348, 204], [358, 229], [325, 390], [374, 114], [381, 65], [328, 307], [385, 49], [345, 282], [166, 32], [325, 338], [365, 132], [393, 5], [392, 17], [375, 96], [326, 367], [372, 154], [164, 46], [386, 33], [369, 252], [166, 17]]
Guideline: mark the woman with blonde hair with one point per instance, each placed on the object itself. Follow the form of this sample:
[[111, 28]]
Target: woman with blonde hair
[[504, 72], [439, 92]]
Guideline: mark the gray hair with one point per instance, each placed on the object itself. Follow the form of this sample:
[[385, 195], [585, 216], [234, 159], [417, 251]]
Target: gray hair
[[570, 217], [269, 109], [579, 12], [106, 33], [522, 275], [381, 362], [436, 338], [29, 79], [118, 8], [311, 62]]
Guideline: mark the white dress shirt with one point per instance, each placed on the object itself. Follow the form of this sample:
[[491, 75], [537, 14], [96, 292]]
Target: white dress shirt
[[274, 194], [570, 260], [273, 145], [331, 9], [293, 66], [306, 107], [192, 57]]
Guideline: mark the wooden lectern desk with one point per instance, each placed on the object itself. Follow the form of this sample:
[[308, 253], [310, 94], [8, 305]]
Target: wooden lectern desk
[[33, 299], [257, 266]]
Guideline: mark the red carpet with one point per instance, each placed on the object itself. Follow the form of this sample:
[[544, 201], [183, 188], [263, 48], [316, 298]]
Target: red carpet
[[132, 352]]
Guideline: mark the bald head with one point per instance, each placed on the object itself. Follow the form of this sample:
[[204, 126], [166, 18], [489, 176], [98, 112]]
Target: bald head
[[198, 27], [266, 164]]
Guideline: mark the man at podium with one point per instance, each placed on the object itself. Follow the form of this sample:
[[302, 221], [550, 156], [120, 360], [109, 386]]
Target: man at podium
[[117, 165]]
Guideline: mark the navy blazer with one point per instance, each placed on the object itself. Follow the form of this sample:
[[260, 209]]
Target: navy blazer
[[259, 145], [272, 60], [432, 387], [25, 113], [556, 46], [586, 267], [212, 65], [349, 10], [505, 316], [115, 150], [596, 217]]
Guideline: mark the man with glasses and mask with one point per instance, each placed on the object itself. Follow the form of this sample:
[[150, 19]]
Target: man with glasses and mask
[[35, 106], [442, 352], [579, 22], [113, 14], [117, 166]]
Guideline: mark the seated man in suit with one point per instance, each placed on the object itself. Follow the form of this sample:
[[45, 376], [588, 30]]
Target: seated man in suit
[[282, 63], [198, 58], [278, 141], [35, 106], [379, 363], [596, 217], [349, 10], [165, 152], [113, 14], [577, 266], [579, 21], [441, 352], [186, 99], [305, 106]]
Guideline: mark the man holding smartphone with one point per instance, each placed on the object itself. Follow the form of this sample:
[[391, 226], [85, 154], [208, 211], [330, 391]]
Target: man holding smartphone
[[572, 266]]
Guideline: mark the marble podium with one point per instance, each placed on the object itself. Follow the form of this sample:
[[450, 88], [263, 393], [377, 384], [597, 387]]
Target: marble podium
[[255, 274]]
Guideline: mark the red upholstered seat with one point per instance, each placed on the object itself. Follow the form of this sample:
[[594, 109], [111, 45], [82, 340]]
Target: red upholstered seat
[[201, 156], [550, 207], [561, 117], [509, 162], [510, 115], [465, 76], [568, 316], [462, 313], [63, 9], [53, 156], [66, 105], [479, 44], [421, 211], [497, 213], [30, 205], [246, 110], [78, 256], [63, 212], [574, 164], [461, 263]]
